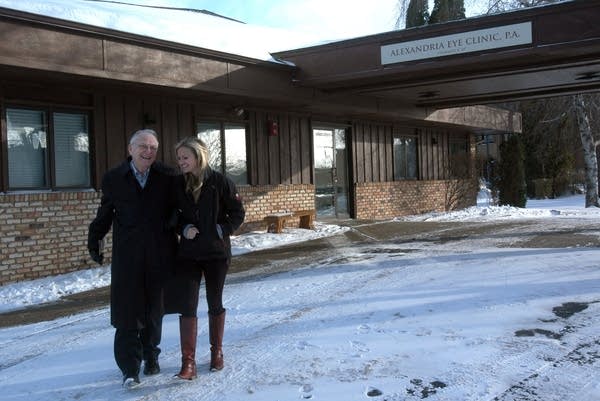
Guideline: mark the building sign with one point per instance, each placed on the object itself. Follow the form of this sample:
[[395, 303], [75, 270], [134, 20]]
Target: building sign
[[466, 42]]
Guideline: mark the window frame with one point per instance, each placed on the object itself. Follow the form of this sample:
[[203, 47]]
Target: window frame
[[406, 157], [50, 164], [223, 125]]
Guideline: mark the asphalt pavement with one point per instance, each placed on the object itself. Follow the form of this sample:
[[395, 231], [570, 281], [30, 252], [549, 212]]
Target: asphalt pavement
[[526, 234]]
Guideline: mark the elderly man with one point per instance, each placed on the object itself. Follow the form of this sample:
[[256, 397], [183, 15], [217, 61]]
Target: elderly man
[[137, 202]]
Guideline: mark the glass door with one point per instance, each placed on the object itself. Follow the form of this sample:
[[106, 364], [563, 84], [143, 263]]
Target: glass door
[[331, 172]]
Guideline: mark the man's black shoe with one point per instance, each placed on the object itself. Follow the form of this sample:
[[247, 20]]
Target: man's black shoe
[[151, 367]]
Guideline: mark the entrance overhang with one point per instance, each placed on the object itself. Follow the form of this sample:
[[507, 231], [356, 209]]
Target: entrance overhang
[[562, 56]]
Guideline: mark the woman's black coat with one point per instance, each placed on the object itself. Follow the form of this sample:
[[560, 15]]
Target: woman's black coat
[[219, 204], [143, 246]]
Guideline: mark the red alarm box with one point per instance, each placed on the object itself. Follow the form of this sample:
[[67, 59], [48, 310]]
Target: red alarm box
[[272, 128]]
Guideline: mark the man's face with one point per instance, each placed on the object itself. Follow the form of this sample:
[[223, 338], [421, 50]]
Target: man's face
[[143, 151]]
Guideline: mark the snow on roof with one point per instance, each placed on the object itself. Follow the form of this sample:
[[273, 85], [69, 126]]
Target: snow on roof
[[199, 29]]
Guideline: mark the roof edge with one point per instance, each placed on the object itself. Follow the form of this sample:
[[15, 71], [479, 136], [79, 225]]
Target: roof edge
[[426, 31], [107, 33]]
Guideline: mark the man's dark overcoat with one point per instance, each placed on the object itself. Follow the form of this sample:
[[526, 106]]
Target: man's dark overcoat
[[144, 242]]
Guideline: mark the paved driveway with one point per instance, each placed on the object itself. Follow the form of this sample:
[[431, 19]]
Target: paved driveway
[[534, 233]]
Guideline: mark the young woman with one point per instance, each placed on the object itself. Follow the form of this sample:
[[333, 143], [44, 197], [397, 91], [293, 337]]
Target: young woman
[[210, 210]]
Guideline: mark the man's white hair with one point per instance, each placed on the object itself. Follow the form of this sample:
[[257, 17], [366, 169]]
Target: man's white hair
[[145, 131]]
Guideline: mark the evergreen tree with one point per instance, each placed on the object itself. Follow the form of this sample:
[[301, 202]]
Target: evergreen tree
[[511, 175], [552, 144], [440, 12], [457, 9], [447, 10], [417, 13]]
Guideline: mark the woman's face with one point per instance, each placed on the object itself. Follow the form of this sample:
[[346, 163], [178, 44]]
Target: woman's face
[[187, 161]]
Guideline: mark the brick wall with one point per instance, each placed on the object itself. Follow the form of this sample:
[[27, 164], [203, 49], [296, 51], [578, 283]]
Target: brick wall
[[44, 234], [260, 200], [385, 200]]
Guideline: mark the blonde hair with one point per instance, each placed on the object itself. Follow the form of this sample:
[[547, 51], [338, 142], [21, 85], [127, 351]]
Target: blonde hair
[[193, 182]]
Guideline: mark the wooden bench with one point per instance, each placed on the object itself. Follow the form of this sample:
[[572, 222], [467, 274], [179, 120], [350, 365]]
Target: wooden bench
[[307, 218], [276, 221]]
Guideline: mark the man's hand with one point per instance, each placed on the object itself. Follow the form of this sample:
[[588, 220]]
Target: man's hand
[[96, 256], [190, 232]]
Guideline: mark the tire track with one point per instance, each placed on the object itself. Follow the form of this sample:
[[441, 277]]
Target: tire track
[[572, 372]]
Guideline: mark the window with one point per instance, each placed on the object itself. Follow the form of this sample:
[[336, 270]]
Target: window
[[405, 158], [226, 144], [47, 153]]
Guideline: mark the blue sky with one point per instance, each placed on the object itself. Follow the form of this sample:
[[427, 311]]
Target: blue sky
[[331, 19], [272, 25]]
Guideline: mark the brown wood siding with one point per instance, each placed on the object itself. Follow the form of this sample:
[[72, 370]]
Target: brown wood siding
[[433, 149], [421, 154], [252, 149], [429, 155], [358, 161], [375, 155], [185, 120], [116, 141], [169, 131], [368, 153], [133, 115], [371, 145], [433, 152], [359, 152], [381, 153], [295, 151], [99, 151], [445, 163], [389, 155], [3, 142], [273, 152], [272, 160], [260, 159], [282, 159], [151, 118], [372, 152], [118, 116], [306, 150], [362, 157], [284, 150]]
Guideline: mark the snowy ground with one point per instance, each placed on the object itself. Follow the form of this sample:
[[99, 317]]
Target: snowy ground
[[380, 321]]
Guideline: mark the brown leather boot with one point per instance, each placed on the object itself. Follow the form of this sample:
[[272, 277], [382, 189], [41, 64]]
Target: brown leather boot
[[188, 331], [216, 326]]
